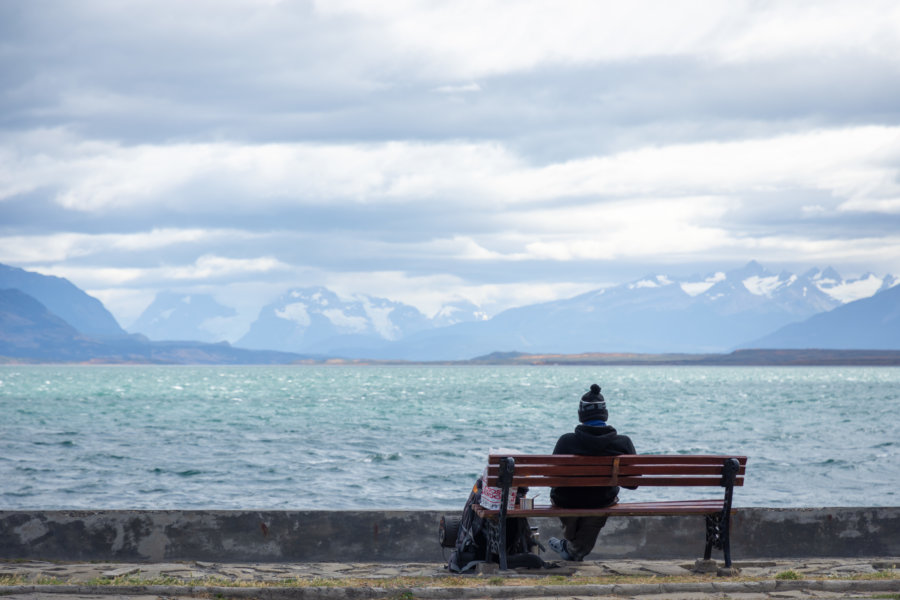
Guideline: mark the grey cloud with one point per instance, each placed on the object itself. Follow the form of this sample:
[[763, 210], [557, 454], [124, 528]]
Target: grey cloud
[[155, 73], [149, 72]]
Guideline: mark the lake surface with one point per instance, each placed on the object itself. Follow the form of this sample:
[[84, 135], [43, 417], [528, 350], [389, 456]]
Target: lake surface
[[159, 437]]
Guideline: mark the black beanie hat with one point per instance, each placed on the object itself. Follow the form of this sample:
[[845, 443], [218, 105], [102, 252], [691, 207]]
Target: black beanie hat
[[592, 406]]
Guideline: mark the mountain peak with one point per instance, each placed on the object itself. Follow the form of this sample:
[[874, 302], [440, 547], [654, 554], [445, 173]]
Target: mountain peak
[[64, 299], [751, 269], [651, 281], [179, 316], [831, 273]]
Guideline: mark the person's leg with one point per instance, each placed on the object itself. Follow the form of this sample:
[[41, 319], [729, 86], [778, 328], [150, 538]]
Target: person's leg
[[581, 535], [570, 525]]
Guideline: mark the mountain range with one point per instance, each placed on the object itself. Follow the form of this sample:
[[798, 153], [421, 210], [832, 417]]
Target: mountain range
[[715, 312], [80, 329], [749, 307], [718, 312], [62, 298], [867, 324]]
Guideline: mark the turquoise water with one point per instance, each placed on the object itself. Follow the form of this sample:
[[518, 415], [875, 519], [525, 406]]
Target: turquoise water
[[416, 437]]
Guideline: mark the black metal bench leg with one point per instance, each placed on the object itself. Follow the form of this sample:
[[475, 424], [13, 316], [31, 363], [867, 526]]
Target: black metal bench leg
[[502, 549], [726, 532], [718, 525], [730, 471], [507, 468], [710, 536]]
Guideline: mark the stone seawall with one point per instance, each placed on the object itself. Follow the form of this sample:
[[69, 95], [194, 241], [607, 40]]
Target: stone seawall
[[405, 536]]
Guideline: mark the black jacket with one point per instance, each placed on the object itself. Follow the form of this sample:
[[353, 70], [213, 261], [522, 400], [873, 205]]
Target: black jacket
[[590, 441]]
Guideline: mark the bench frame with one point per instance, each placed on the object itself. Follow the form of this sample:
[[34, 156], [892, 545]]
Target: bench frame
[[510, 472]]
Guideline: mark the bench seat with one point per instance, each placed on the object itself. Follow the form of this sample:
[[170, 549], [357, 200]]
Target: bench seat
[[510, 472], [622, 509]]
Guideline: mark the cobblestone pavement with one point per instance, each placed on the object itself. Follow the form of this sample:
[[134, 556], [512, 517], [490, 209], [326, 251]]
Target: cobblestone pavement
[[71, 580]]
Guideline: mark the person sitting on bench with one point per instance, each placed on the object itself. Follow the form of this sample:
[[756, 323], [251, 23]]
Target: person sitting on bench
[[592, 438]]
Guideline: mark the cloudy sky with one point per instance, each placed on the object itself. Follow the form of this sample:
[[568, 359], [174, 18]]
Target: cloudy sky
[[501, 152]]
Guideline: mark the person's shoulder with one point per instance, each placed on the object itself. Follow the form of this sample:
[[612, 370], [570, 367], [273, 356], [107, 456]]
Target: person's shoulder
[[626, 443], [564, 443], [566, 436]]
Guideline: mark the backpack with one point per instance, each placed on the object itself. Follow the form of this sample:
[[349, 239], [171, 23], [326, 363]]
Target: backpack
[[475, 540]]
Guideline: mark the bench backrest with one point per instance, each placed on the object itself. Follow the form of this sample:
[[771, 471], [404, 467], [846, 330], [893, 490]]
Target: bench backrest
[[567, 470]]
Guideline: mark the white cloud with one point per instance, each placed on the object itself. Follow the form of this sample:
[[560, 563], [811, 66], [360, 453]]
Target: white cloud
[[857, 165], [99, 176], [56, 247], [94, 276], [821, 29], [464, 88], [483, 137], [846, 162], [638, 227], [210, 267], [207, 267], [872, 205], [477, 39]]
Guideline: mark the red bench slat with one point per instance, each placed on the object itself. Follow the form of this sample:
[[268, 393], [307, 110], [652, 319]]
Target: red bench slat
[[561, 459], [631, 509], [652, 470], [607, 470]]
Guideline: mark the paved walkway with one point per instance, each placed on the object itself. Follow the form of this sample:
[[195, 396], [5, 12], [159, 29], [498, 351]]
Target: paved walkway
[[818, 578]]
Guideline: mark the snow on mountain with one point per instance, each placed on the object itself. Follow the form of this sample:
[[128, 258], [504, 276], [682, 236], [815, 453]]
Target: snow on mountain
[[174, 316], [871, 323], [713, 312], [461, 311], [315, 319], [656, 313], [848, 290], [653, 281], [695, 288]]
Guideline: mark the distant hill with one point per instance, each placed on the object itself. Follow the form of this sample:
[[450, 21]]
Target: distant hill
[[31, 333], [61, 297], [778, 358], [28, 330], [870, 323]]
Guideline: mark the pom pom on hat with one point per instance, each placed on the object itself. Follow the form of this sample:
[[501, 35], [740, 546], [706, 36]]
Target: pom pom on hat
[[592, 406]]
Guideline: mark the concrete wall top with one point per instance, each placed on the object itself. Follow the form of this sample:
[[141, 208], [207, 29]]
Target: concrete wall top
[[408, 536]]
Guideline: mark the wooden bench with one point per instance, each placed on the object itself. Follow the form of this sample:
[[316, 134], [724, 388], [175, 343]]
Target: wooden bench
[[510, 472]]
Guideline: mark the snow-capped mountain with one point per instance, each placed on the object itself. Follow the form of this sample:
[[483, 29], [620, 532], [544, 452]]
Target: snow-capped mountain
[[173, 316], [315, 319], [871, 323], [848, 290], [710, 313], [713, 312], [461, 311]]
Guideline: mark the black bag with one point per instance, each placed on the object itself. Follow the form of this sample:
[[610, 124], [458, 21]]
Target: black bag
[[477, 540]]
